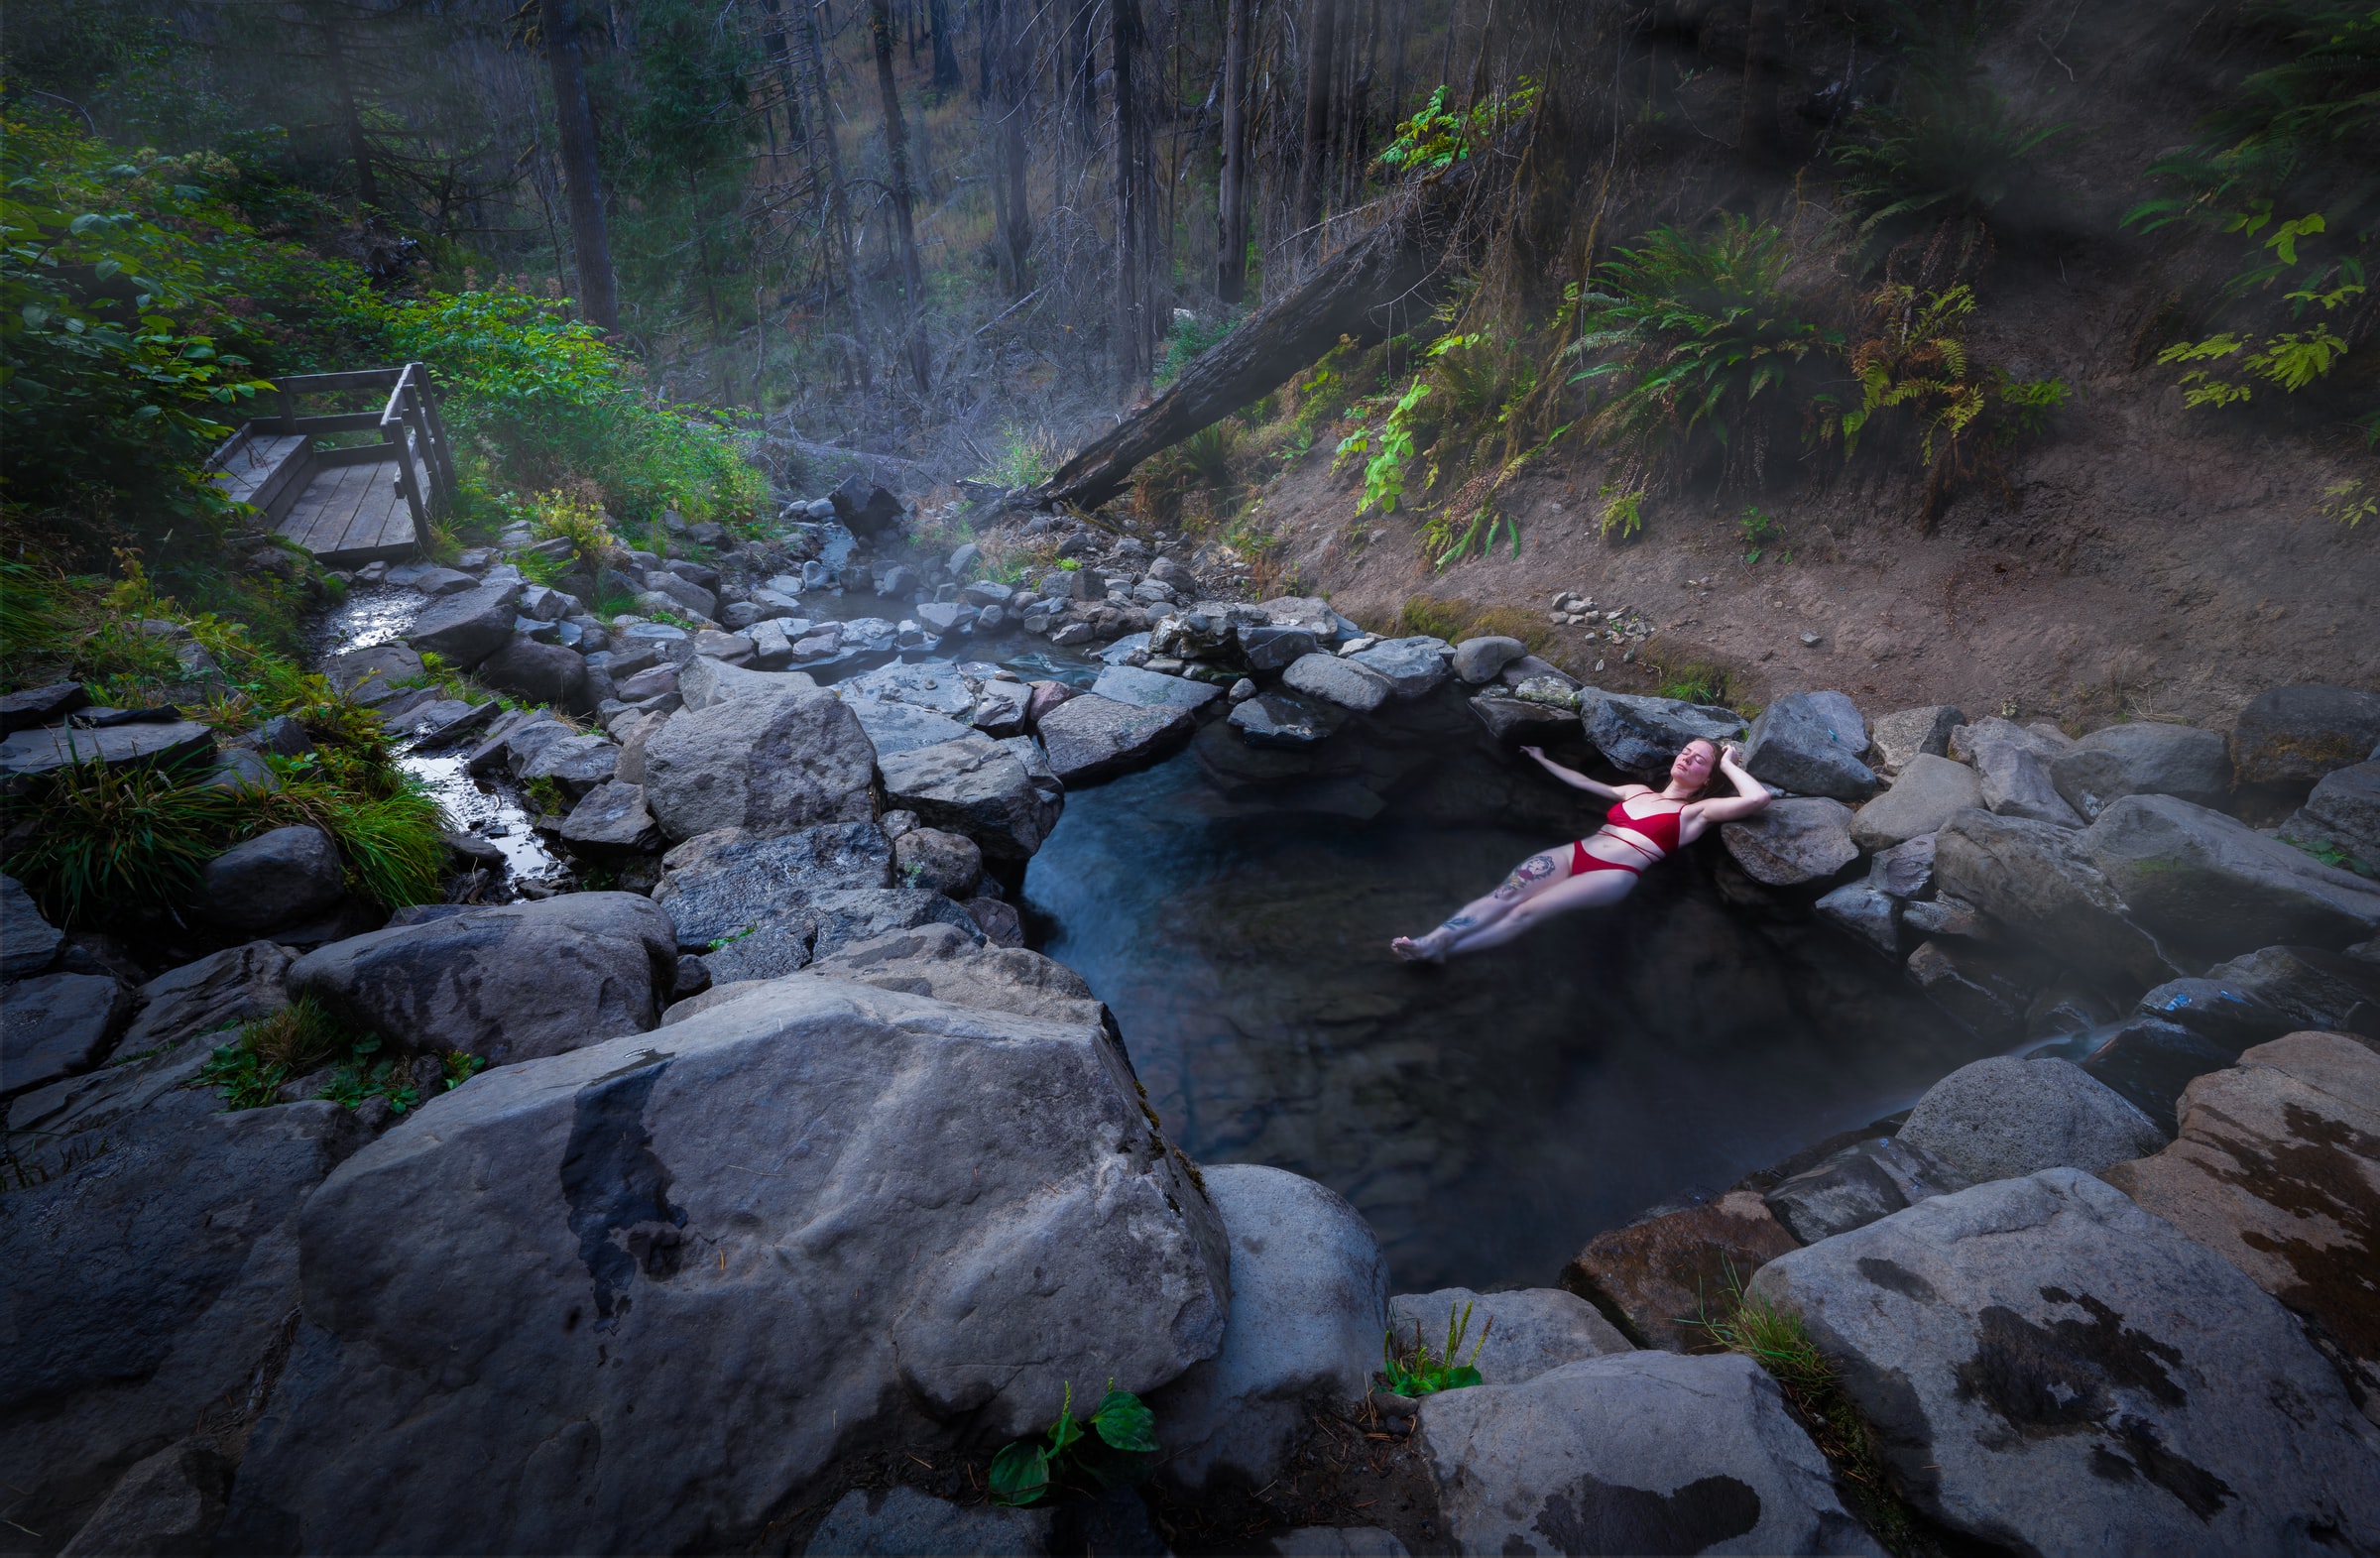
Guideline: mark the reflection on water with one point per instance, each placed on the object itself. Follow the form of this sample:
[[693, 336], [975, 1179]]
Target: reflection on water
[[1490, 1116]]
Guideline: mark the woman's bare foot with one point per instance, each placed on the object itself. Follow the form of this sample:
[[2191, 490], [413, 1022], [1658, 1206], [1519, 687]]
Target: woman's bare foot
[[1423, 949]]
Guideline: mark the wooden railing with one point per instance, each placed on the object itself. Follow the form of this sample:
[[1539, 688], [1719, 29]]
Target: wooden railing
[[411, 431]]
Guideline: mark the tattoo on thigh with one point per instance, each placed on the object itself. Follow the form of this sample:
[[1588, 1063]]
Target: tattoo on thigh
[[1460, 923], [1535, 869]]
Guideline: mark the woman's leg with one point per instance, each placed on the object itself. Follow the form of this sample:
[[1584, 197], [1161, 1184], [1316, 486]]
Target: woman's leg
[[1532, 876], [1589, 889]]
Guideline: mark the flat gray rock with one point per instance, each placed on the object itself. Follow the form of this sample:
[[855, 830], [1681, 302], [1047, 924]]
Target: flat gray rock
[[31, 707], [941, 688], [1906, 870], [1513, 1335], [1339, 681], [1089, 738], [896, 727], [1800, 839], [1514, 722], [847, 917], [773, 764], [902, 1522], [948, 963], [1309, 1296], [223, 989], [280, 877], [969, 1208], [999, 793], [577, 765], [718, 884], [369, 675], [1149, 689], [2294, 735], [1810, 744], [2014, 765], [2211, 887], [1904, 734], [2143, 759], [1411, 665], [1643, 735], [1285, 720], [31, 753], [1642, 1452], [612, 819], [28, 943], [706, 681], [57, 1024], [467, 627], [2051, 1369], [1928, 793], [2002, 1118]]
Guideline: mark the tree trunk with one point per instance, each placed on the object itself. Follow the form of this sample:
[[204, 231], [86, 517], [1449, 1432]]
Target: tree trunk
[[1017, 211], [582, 178], [1756, 133], [1082, 87], [896, 149], [838, 198], [1134, 332], [342, 86], [1230, 227], [1365, 292], [946, 58], [1322, 22]]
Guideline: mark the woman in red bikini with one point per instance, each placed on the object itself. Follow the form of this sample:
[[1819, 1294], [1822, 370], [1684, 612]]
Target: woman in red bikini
[[1644, 825]]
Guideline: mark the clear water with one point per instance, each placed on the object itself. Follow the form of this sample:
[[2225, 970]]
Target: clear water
[[1488, 1117]]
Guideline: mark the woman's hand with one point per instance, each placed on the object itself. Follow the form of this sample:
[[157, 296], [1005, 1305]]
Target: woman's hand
[[1730, 755]]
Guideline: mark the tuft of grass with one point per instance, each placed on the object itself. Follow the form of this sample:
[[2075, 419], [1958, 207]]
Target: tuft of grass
[[394, 844], [1699, 682], [1027, 458], [121, 837], [1411, 1370]]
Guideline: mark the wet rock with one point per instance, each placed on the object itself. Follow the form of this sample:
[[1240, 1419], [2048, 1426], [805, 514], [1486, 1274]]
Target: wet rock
[[34, 707], [945, 961], [1644, 735], [370, 676], [2002, 1118], [512, 983], [1513, 723], [1000, 708], [2343, 815], [466, 628], [2274, 1170], [1309, 1296], [28, 943], [1149, 689], [706, 682], [237, 984], [1478, 662], [1412, 666], [2040, 881], [2150, 1061], [1856, 1185], [938, 862], [2212, 887], [1950, 917], [2306, 987], [1869, 914], [577, 765], [1810, 743], [1653, 1277], [999, 793], [718, 884], [1090, 737], [1904, 734], [2143, 759], [1276, 648], [28, 753], [2040, 1358], [1986, 993], [2292, 736], [169, 1504], [512, 741], [1793, 841], [2014, 765], [612, 819], [1338, 681], [1044, 697], [1929, 793], [902, 1522], [771, 764], [150, 1278], [280, 877], [57, 1025], [1002, 1220], [1906, 871], [1637, 1452], [1513, 1335], [1281, 719]]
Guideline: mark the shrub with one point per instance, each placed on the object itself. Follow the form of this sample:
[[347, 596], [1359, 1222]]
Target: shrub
[[1437, 136], [1188, 338]]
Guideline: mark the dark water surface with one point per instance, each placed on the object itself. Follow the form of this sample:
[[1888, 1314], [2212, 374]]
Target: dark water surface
[[1487, 1116]]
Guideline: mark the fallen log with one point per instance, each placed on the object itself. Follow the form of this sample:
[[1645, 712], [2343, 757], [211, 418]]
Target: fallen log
[[1391, 274]]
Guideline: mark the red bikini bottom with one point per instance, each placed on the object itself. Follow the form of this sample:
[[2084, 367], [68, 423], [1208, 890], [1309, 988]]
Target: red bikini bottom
[[1581, 862]]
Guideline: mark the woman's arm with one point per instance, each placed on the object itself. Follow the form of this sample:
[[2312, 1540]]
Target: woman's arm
[[1578, 780], [1750, 798]]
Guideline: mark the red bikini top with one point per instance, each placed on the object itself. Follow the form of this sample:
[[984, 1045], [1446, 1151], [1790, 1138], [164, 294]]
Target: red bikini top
[[1659, 831]]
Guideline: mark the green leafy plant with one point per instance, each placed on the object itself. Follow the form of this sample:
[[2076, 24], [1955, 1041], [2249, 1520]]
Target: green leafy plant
[[1386, 450], [1437, 136], [1413, 1371], [1698, 681], [1106, 1448], [121, 836], [2349, 502], [1622, 513], [1757, 531], [1447, 540], [1027, 458], [1188, 338], [293, 1041]]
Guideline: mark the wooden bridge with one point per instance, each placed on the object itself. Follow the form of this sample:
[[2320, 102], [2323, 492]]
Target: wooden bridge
[[347, 506]]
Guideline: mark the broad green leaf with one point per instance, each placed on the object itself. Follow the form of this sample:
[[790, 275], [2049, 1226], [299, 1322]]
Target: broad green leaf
[[1124, 1422], [1019, 1473]]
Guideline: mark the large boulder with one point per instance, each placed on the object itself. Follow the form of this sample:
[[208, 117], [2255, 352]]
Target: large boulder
[[57, 1024], [1907, 734], [2275, 1169], [1512, 1336], [1643, 735], [2340, 821], [28, 943], [151, 1277], [720, 884], [1309, 1308], [1149, 689], [280, 877], [1411, 665], [2015, 762], [235, 986], [2143, 759], [1000, 794], [511, 983], [540, 672], [1654, 1279], [705, 680], [1806, 838], [861, 1219], [896, 727], [771, 764], [2209, 886], [2037, 878], [2047, 1367], [466, 628], [1928, 793], [1633, 1453], [2292, 736], [1090, 737], [1357, 688], [2002, 1118], [1811, 743], [1477, 661]]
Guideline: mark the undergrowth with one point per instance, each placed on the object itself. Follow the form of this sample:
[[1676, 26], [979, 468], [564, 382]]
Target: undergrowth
[[301, 1039]]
